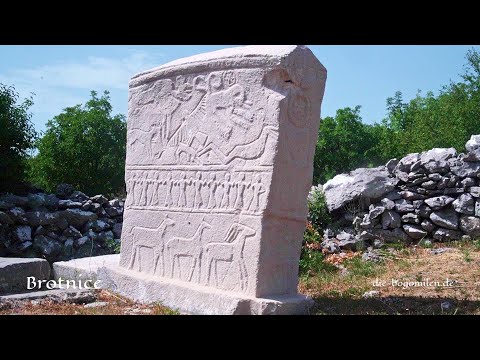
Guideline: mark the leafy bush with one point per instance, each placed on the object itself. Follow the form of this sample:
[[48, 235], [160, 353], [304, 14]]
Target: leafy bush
[[311, 259], [17, 136], [85, 147], [318, 214]]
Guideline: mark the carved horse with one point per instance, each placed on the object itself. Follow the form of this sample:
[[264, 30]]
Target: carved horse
[[152, 239], [229, 251], [190, 247]]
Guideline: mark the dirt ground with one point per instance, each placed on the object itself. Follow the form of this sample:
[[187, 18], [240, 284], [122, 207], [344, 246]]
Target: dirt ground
[[410, 281], [106, 303], [414, 280]]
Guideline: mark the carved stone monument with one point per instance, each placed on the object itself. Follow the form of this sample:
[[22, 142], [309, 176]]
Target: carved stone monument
[[219, 164]]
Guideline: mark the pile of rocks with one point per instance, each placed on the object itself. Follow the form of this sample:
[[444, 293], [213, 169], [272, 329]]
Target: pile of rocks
[[429, 196], [60, 226]]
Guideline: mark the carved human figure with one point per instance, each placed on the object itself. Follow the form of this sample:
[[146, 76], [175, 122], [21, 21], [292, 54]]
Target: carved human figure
[[140, 183], [155, 185], [227, 186], [258, 189], [129, 186], [168, 190], [198, 182], [182, 185], [212, 185], [241, 186]]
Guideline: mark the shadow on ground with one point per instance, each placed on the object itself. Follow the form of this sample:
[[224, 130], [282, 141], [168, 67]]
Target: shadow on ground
[[395, 306]]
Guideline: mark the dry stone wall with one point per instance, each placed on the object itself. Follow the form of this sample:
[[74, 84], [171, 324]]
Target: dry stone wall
[[430, 196]]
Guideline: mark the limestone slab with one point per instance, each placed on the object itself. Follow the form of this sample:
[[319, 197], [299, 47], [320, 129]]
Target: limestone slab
[[83, 269], [14, 273], [219, 164], [191, 298]]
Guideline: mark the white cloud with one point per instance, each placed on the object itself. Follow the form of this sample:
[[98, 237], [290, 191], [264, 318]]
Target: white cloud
[[96, 72], [64, 84]]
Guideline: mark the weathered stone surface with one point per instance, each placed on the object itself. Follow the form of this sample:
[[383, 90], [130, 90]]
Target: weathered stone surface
[[447, 218], [5, 219], [410, 195], [75, 296], [84, 268], [78, 218], [472, 156], [468, 182], [391, 165], [391, 220], [197, 299], [411, 219], [64, 204], [365, 183], [473, 143], [6, 205], [464, 204], [36, 218], [14, 199], [405, 164], [446, 234], [100, 199], [435, 177], [470, 225], [117, 230], [219, 164], [439, 202], [376, 212], [475, 191], [46, 245], [388, 204], [437, 155], [64, 190], [23, 233], [477, 208], [464, 169], [403, 206], [429, 185], [427, 225], [14, 273], [415, 232]]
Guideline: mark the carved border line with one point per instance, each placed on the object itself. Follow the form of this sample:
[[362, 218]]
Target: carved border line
[[266, 168], [199, 211]]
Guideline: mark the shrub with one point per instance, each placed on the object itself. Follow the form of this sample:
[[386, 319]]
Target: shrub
[[17, 136]]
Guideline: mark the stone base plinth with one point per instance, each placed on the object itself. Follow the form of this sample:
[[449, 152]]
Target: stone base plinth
[[196, 299]]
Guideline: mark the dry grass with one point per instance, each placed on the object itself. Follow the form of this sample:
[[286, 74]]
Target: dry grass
[[116, 305], [340, 292]]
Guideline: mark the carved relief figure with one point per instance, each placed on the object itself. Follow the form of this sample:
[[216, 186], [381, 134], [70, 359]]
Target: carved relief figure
[[168, 190], [190, 247], [253, 150], [151, 239], [241, 186], [231, 250], [198, 182], [212, 185], [182, 184], [227, 186], [258, 189]]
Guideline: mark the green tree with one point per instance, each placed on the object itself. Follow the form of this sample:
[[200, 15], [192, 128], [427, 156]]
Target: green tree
[[17, 136], [444, 120], [83, 146], [344, 143]]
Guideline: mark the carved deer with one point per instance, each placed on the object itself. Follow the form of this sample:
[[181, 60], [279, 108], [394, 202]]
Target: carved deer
[[229, 251], [152, 239], [189, 247]]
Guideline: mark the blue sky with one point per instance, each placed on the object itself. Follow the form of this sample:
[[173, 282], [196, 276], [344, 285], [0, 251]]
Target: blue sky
[[62, 76]]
